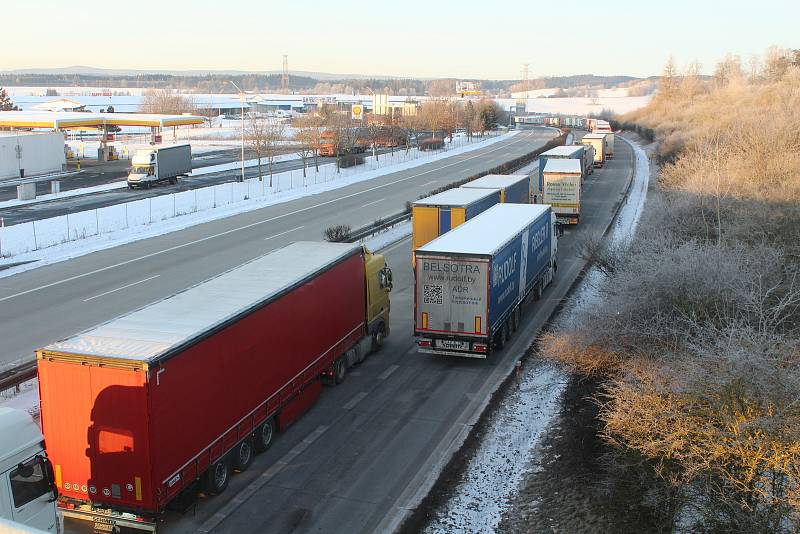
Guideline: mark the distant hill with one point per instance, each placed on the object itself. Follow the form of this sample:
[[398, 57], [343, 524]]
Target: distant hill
[[94, 71]]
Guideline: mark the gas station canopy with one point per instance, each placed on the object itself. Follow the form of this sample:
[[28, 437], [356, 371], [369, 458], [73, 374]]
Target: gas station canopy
[[79, 120]]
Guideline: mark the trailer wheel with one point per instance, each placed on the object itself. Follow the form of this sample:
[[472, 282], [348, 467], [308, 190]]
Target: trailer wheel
[[500, 337], [339, 370], [173, 180], [264, 434], [217, 477], [537, 291], [515, 318], [243, 455]]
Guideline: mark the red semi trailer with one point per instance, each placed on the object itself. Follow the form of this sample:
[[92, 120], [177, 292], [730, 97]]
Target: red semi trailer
[[139, 410]]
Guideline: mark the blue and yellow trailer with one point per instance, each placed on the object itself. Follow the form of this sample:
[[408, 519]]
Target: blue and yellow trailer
[[438, 214], [514, 188]]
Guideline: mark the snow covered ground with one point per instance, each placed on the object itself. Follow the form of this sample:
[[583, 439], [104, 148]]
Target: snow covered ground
[[586, 106], [493, 475], [70, 249]]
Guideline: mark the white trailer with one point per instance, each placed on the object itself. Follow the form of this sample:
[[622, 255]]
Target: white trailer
[[163, 164], [562, 189]]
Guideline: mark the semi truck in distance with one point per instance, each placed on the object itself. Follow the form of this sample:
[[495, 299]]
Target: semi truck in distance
[[437, 214], [514, 188], [562, 189], [28, 490], [150, 166], [471, 283], [153, 405], [598, 142]]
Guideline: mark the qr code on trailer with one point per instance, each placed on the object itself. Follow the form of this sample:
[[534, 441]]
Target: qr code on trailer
[[431, 294]]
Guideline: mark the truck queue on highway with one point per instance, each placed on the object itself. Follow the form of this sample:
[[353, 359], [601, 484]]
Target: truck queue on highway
[[169, 400]]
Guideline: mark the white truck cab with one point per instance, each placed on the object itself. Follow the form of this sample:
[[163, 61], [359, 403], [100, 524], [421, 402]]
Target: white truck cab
[[27, 488]]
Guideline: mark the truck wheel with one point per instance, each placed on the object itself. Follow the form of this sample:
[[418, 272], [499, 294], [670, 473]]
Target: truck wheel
[[264, 434], [339, 370], [500, 337], [377, 340], [173, 181], [217, 477], [243, 455]]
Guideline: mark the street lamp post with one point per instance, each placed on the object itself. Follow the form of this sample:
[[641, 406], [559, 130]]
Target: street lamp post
[[241, 100]]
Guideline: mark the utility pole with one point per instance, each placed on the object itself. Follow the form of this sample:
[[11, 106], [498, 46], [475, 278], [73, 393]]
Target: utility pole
[[241, 99], [285, 76]]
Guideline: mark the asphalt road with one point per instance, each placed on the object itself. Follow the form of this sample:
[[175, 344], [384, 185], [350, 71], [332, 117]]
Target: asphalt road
[[49, 303], [369, 448], [110, 172]]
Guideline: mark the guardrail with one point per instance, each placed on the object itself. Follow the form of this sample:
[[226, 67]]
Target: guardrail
[[15, 376]]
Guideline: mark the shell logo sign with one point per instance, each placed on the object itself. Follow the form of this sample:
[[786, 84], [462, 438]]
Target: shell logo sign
[[357, 112]]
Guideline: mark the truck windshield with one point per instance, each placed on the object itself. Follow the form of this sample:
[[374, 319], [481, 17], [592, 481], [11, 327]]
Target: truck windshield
[[28, 482], [142, 169]]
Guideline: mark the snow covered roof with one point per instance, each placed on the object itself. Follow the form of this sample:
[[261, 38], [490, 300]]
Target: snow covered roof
[[497, 181], [455, 197], [486, 233], [563, 150], [564, 166], [62, 104], [594, 136], [66, 120], [176, 321]]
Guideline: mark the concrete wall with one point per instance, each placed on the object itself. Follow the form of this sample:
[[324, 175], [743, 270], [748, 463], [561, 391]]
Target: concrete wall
[[39, 153]]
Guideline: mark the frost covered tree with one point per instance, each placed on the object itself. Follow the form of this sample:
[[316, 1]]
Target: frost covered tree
[[6, 104]]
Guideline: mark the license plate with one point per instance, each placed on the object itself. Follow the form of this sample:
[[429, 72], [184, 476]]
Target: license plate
[[450, 344]]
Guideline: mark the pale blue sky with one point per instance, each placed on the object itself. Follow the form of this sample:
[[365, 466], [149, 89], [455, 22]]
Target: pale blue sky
[[430, 38]]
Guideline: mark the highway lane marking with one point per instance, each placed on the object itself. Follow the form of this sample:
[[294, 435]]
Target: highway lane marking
[[355, 400], [429, 183], [387, 373], [244, 227], [121, 288], [373, 202], [240, 498], [282, 233]]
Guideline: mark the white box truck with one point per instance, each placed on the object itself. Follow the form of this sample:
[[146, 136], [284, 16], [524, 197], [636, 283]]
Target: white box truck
[[150, 166], [562, 189], [27, 481]]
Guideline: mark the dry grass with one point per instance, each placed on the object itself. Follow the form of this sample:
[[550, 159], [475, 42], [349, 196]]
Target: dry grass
[[697, 334]]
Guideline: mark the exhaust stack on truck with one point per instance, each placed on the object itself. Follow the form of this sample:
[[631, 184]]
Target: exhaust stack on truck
[[471, 283], [138, 410]]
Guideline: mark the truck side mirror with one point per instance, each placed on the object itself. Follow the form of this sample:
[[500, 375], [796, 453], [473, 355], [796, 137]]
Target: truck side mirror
[[49, 472]]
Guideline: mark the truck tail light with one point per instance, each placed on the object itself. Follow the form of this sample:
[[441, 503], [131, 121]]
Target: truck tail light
[[479, 347], [424, 342]]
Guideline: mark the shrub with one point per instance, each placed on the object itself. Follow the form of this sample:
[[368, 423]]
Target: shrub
[[337, 234]]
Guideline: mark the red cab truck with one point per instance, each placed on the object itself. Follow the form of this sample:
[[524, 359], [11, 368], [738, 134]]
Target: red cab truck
[[172, 397]]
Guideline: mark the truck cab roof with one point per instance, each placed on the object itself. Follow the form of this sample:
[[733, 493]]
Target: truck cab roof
[[18, 434]]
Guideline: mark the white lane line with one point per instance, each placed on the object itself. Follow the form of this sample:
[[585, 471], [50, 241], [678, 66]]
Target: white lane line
[[213, 522], [429, 183], [246, 226], [387, 373], [355, 400], [120, 288], [373, 202], [282, 233]]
